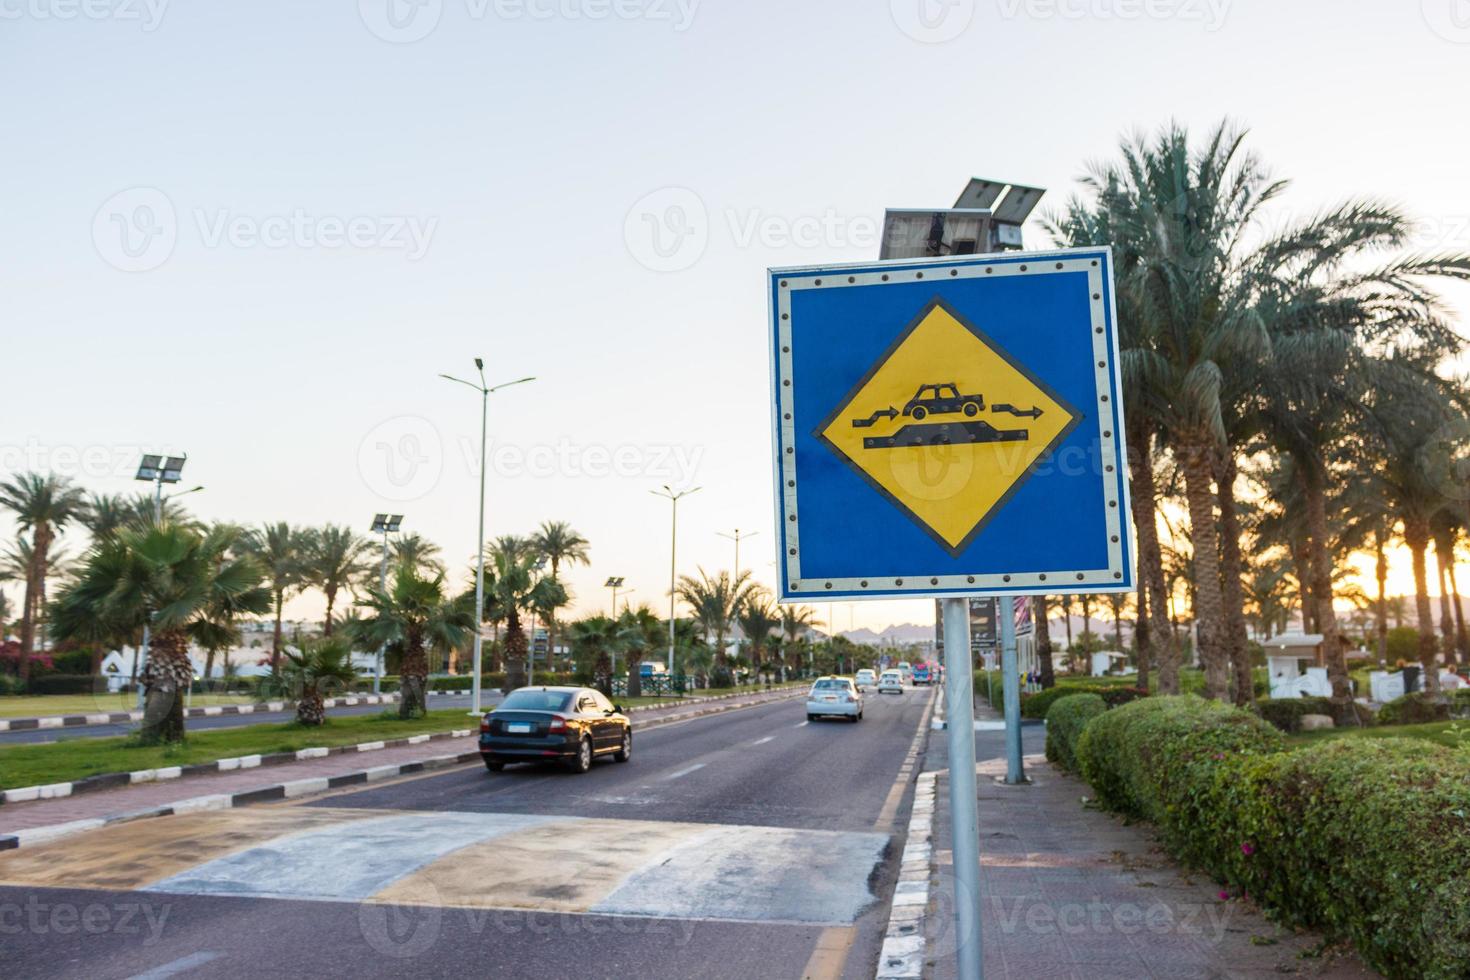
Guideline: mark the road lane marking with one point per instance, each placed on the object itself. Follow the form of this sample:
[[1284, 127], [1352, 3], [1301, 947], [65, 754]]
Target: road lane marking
[[177, 966], [802, 724], [763, 741], [685, 771]]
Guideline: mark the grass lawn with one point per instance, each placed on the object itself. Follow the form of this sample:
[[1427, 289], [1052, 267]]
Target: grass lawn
[[60, 762], [1450, 733], [45, 705]]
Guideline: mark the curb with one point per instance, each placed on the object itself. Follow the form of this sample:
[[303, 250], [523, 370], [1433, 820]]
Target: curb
[[902, 956], [316, 784], [211, 711]]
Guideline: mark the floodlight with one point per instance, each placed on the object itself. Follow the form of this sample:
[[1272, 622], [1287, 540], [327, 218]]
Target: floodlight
[[395, 521], [613, 582], [149, 468], [380, 523], [173, 469]]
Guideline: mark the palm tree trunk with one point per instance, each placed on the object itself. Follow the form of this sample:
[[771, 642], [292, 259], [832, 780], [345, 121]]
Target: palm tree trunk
[[1043, 642], [1416, 536], [1154, 636], [276, 636], [413, 676], [35, 589], [515, 651], [1301, 558], [331, 592], [1231, 590], [1460, 636], [1209, 613], [1313, 486], [1380, 570], [1444, 559], [164, 679]]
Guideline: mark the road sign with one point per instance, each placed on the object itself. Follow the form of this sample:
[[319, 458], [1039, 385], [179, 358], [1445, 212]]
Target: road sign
[[949, 426]]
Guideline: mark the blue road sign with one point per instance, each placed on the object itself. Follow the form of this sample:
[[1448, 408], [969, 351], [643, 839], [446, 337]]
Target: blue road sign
[[949, 427]]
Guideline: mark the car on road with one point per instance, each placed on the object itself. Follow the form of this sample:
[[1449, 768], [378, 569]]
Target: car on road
[[834, 696], [865, 679], [906, 670], [571, 725], [923, 674], [890, 681]]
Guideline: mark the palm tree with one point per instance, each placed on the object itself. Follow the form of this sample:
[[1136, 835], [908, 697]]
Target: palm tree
[[757, 619], [515, 584], [639, 633], [1042, 615], [559, 544], [594, 641], [795, 622], [185, 583], [418, 551], [281, 550], [333, 558], [715, 602], [318, 662], [43, 505], [1414, 411], [413, 617]]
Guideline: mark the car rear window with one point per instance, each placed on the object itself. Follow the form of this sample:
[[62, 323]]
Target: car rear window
[[831, 685], [525, 700]]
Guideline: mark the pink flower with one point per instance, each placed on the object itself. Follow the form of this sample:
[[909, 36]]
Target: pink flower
[[1224, 896], [1247, 848]]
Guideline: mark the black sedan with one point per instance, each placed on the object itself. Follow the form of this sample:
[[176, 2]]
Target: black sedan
[[573, 725]]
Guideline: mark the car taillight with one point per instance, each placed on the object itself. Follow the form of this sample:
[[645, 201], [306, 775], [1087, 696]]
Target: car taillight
[[558, 724], [849, 698], [484, 726]]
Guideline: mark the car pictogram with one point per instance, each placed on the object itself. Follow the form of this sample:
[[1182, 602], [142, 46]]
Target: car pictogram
[[942, 399]]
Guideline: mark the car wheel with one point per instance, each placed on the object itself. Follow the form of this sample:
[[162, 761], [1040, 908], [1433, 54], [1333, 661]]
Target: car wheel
[[583, 760], [810, 716], [494, 766], [919, 413], [971, 409], [626, 752]]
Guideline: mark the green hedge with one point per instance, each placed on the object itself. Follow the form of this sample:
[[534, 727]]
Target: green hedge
[[66, 684], [1361, 838], [1037, 705], [1286, 713], [1064, 723], [1413, 709]]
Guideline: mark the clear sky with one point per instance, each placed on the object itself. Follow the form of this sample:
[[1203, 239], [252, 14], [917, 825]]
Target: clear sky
[[256, 232]]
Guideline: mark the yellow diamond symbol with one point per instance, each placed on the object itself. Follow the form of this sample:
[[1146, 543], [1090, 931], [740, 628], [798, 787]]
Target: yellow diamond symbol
[[946, 425]]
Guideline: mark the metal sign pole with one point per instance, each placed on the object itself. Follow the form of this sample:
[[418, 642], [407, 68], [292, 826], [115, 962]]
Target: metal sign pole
[[959, 694], [1011, 689]]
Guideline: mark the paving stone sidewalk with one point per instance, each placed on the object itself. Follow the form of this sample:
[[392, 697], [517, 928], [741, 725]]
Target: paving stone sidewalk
[[143, 796], [1072, 892]]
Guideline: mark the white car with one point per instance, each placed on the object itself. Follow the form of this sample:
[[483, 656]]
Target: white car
[[866, 679], [906, 671], [834, 696], [890, 680]]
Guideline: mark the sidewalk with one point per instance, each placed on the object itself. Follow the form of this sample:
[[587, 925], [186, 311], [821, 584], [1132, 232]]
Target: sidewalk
[[111, 803], [1069, 891]]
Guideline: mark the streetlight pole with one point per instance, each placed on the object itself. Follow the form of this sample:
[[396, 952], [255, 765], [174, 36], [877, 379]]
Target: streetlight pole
[[673, 557], [384, 524], [737, 537], [614, 582], [485, 392]]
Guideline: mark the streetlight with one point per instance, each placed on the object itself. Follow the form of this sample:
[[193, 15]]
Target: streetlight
[[485, 392], [614, 582], [384, 524], [157, 470], [536, 566], [673, 540], [737, 537]]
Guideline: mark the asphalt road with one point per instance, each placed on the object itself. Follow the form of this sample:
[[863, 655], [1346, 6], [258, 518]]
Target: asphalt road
[[744, 844], [218, 721]]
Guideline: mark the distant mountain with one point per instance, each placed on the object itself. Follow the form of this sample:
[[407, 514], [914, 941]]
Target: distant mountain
[[899, 635]]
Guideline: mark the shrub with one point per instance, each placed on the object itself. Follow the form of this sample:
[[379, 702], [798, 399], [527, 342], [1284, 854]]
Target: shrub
[[1115, 696], [10, 685], [1403, 645], [1039, 704], [66, 684], [1151, 757], [1360, 838], [73, 662], [1413, 709], [1286, 713], [1064, 722]]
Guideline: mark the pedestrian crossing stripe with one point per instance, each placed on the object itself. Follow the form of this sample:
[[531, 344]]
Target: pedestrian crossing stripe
[[474, 860]]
